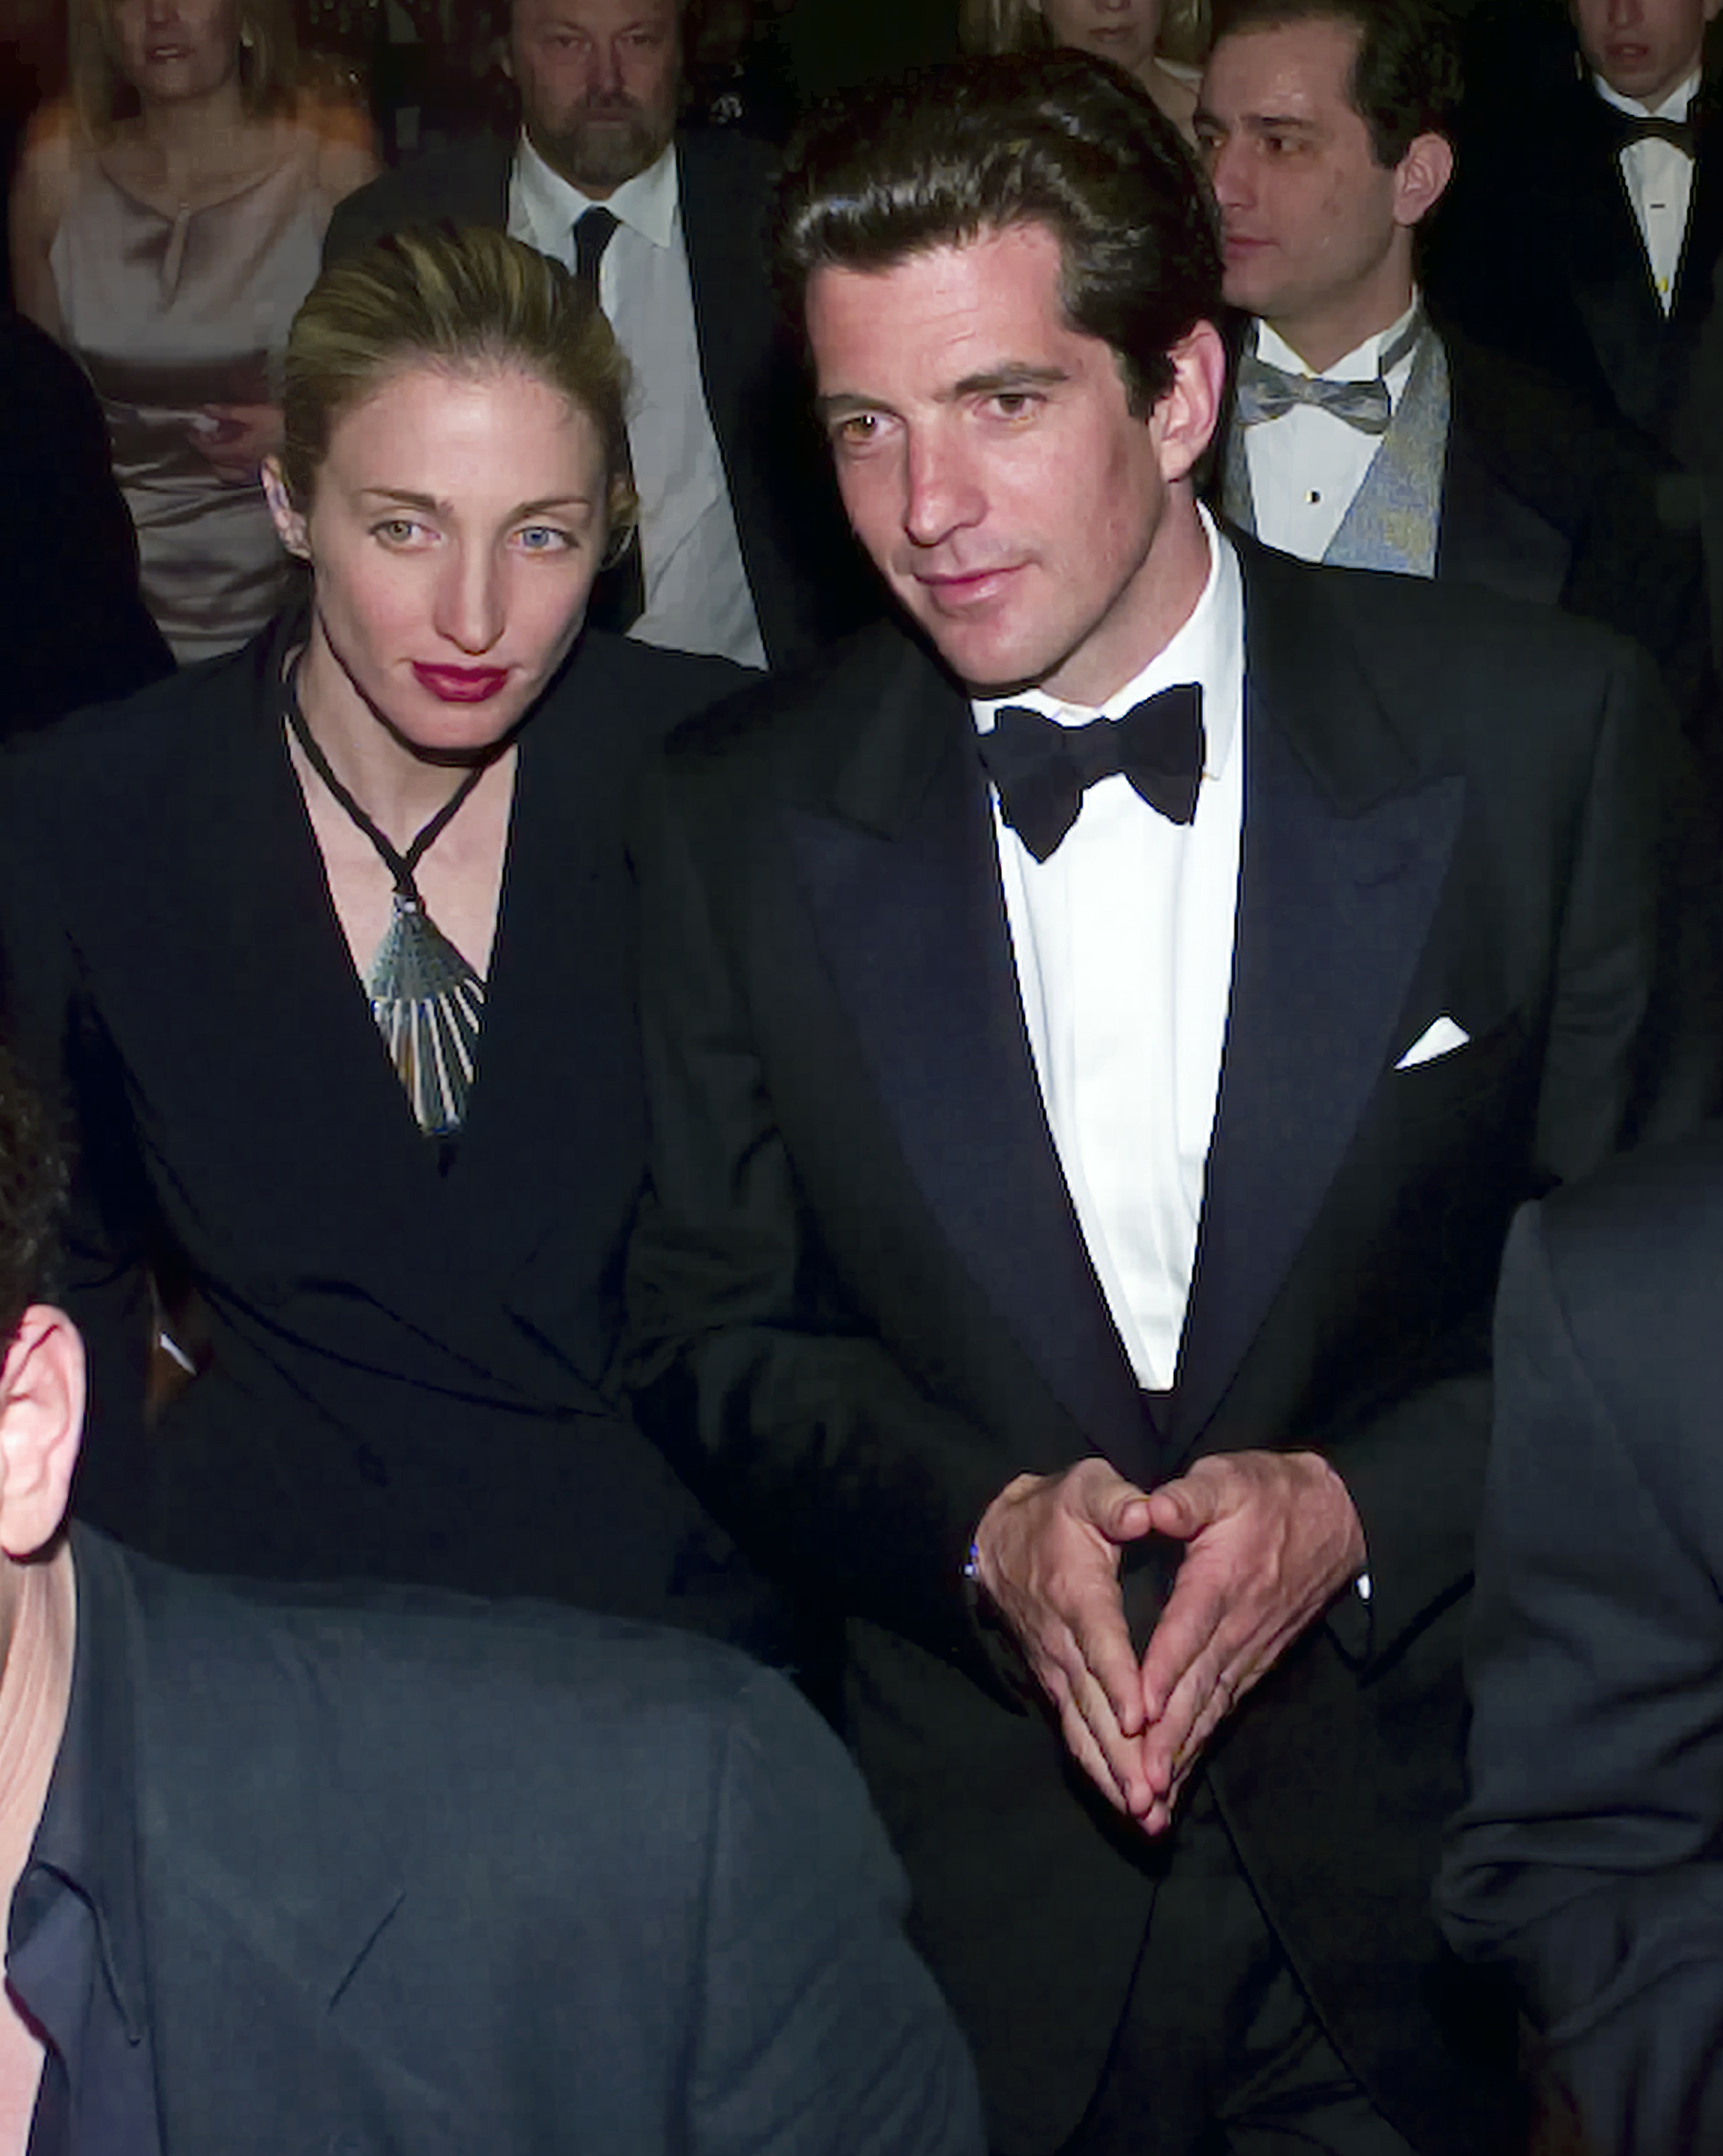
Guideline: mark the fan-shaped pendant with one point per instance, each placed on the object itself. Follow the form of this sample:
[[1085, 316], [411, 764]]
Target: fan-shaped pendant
[[428, 1004]]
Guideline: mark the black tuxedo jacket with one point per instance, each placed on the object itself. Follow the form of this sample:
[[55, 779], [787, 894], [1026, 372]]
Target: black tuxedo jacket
[[861, 1297], [409, 1358], [808, 579], [1538, 253], [1587, 1858], [439, 1878]]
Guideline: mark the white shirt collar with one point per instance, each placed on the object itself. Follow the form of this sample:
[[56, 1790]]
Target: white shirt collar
[[647, 203], [1363, 364], [1675, 106], [1208, 647]]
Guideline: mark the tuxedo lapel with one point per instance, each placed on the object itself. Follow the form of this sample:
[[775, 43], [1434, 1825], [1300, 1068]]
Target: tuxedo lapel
[[1703, 241], [1342, 861], [903, 883]]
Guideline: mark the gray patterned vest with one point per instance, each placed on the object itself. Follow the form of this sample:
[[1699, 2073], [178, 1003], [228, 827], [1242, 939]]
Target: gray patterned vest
[[1393, 520]]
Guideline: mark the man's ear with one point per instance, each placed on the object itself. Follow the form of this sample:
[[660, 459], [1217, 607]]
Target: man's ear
[[1421, 178], [1189, 411], [41, 1420], [290, 524]]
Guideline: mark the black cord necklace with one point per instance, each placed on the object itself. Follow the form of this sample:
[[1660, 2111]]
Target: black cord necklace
[[428, 1002]]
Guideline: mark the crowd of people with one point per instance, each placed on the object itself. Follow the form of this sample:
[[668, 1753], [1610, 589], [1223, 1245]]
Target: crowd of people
[[927, 907]]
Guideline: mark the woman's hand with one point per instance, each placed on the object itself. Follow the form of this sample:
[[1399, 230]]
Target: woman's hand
[[236, 439]]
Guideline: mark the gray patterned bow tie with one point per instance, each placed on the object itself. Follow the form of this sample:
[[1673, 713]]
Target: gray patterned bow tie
[[1265, 392]]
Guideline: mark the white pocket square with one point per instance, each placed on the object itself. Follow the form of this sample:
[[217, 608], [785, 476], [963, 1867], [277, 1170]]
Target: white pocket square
[[1441, 1038]]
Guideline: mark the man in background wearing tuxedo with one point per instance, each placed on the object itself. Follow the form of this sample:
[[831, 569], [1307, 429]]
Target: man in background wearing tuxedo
[[1588, 216], [1363, 434], [1098, 1030]]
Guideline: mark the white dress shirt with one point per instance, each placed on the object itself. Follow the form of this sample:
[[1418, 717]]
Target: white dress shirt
[[1123, 945], [697, 593], [1658, 179], [1306, 465]]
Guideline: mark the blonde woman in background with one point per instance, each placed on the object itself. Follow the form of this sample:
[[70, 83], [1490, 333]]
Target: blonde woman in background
[[167, 220], [1163, 47]]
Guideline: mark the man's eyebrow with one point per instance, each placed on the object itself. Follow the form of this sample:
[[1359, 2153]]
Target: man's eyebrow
[[986, 381], [1012, 375], [837, 401], [1278, 123]]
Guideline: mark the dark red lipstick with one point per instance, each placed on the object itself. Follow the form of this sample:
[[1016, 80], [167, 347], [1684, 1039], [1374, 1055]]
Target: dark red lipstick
[[461, 685]]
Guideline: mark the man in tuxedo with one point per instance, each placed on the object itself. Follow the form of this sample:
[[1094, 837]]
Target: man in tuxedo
[[1586, 1861], [1588, 220], [742, 549], [1360, 434], [418, 1874], [1079, 1210]]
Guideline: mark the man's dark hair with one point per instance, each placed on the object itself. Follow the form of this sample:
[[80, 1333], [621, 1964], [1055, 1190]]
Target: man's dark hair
[[33, 1182], [1055, 139], [1405, 75]]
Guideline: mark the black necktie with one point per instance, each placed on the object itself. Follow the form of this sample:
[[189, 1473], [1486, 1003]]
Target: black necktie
[[593, 229], [1042, 768], [619, 597]]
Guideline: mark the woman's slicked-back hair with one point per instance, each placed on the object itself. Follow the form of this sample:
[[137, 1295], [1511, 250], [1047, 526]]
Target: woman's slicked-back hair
[[102, 95], [469, 302], [32, 1190], [1056, 138]]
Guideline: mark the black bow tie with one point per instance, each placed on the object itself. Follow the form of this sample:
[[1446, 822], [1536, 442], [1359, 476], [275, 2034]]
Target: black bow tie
[[1631, 127], [1042, 768]]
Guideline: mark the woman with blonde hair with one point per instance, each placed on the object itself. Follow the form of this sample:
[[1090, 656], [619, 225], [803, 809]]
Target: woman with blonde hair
[[1164, 48], [167, 219], [330, 945]]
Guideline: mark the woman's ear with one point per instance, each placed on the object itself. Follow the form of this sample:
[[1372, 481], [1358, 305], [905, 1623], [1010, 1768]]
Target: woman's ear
[[290, 524]]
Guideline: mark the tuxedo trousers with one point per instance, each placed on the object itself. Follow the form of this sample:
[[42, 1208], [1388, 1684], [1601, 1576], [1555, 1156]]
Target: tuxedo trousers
[[1219, 2051]]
